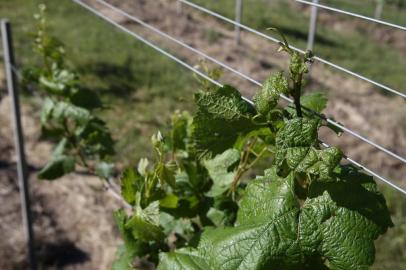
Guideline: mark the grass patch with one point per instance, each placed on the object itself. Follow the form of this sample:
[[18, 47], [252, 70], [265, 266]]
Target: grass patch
[[140, 86]]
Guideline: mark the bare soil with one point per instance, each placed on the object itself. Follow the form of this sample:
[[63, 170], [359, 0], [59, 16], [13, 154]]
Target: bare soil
[[73, 223]]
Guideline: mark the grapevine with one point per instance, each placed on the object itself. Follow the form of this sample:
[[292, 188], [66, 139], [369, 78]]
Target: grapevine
[[194, 206]]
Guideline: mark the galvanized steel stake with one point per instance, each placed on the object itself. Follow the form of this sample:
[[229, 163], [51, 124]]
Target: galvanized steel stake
[[238, 14], [312, 26], [9, 63]]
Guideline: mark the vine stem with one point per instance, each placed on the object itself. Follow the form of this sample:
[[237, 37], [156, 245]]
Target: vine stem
[[244, 166], [108, 184], [297, 87]]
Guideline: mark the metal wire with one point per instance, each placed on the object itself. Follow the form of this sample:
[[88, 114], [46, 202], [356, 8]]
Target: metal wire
[[152, 28], [353, 14], [179, 61], [383, 179], [156, 30], [147, 42], [249, 29]]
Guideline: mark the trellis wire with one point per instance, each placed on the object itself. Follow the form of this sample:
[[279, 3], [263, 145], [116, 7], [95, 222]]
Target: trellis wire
[[122, 28], [196, 71], [353, 14], [152, 28], [249, 29]]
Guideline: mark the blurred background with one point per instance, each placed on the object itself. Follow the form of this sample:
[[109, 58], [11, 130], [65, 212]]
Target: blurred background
[[72, 217]]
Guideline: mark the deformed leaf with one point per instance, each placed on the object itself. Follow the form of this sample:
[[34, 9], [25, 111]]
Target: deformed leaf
[[222, 117], [345, 217], [338, 222], [267, 98], [297, 149], [221, 171]]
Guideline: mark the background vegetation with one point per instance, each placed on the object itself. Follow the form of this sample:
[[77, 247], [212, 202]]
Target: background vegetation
[[142, 87]]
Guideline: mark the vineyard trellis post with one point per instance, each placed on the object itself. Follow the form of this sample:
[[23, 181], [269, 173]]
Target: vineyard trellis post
[[312, 26], [179, 7], [9, 66], [238, 15]]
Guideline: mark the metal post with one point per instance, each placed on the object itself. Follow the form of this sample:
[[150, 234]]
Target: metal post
[[179, 7], [379, 9], [238, 14], [9, 63], [312, 26]]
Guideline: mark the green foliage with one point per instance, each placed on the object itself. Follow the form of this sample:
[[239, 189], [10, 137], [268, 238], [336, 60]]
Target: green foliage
[[219, 170], [67, 115], [190, 206], [222, 116], [298, 150], [314, 101], [284, 233], [307, 209], [267, 99]]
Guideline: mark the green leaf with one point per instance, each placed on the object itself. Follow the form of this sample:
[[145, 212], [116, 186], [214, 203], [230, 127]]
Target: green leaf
[[267, 98], [46, 111], [131, 248], [180, 226], [222, 117], [351, 212], [124, 259], [85, 98], [60, 111], [96, 138], [181, 130], [166, 174], [183, 259], [297, 150], [297, 65], [57, 167], [144, 224], [339, 222], [218, 217], [131, 183], [169, 201], [59, 82], [221, 171], [265, 134], [104, 170], [143, 166], [315, 101]]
